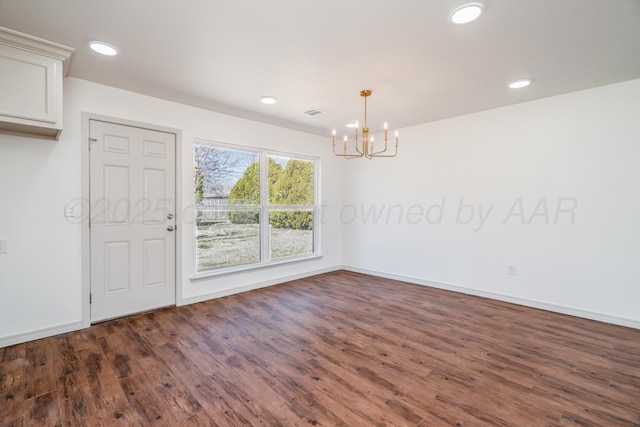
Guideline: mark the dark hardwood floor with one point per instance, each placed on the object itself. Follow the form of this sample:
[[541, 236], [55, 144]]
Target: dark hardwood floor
[[339, 349]]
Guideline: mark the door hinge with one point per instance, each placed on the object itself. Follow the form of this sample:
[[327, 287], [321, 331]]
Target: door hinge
[[90, 297], [90, 141]]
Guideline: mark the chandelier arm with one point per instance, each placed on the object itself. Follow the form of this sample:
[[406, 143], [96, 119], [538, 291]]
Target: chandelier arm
[[383, 150], [346, 155], [350, 156], [360, 151], [379, 152], [386, 155], [389, 155]]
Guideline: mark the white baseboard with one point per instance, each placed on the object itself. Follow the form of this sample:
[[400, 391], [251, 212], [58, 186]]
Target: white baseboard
[[40, 333], [571, 311], [254, 286]]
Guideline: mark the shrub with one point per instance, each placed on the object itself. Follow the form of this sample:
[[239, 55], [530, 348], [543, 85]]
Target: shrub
[[298, 220], [292, 185], [246, 192]]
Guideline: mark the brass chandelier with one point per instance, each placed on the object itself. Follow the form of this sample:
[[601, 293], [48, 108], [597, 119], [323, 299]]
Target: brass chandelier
[[364, 144]]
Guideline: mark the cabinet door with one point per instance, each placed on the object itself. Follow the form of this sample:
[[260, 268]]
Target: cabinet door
[[30, 87]]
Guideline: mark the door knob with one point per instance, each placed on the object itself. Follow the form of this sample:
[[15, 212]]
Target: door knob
[[169, 228]]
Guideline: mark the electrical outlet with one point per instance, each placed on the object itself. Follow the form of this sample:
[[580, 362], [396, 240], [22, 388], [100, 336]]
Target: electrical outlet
[[3, 246], [511, 270], [70, 210]]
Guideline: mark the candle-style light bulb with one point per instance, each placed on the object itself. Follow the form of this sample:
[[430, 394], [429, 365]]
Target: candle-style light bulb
[[385, 125], [357, 124]]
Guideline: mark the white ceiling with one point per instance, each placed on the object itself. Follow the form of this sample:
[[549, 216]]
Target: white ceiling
[[224, 55]]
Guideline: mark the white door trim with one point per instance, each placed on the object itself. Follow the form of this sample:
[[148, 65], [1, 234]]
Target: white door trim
[[86, 208]]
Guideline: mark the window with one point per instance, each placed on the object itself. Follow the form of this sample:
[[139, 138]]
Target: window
[[252, 207]]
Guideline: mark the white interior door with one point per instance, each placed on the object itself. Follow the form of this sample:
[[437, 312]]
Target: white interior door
[[132, 195]]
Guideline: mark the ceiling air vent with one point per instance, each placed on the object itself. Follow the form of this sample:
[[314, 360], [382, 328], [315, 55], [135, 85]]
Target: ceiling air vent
[[312, 112]]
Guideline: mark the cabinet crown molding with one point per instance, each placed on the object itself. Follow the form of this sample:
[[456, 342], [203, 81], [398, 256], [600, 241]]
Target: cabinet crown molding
[[38, 46], [31, 87]]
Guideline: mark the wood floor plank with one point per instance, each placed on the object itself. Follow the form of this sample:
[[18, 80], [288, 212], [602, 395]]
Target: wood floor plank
[[39, 376], [12, 384], [337, 349], [110, 404], [18, 422], [43, 410]]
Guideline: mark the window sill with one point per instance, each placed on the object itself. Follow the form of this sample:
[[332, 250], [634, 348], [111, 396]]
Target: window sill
[[248, 267]]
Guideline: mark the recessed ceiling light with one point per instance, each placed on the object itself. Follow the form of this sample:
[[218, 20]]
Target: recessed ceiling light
[[268, 99], [466, 13], [517, 84], [103, 48]]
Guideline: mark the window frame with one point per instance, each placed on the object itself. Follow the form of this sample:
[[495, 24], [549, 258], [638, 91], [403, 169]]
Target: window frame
[[264, 209]]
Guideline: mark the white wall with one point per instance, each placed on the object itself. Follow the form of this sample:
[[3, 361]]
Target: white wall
[[581, 150], [41, 275], [581, 147]]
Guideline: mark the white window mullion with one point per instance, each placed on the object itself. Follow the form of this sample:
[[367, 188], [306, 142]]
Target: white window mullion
[[317, 214], [264, 211]]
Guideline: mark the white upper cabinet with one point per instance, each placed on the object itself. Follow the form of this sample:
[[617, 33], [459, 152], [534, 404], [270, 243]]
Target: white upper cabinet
[[31, 75]]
